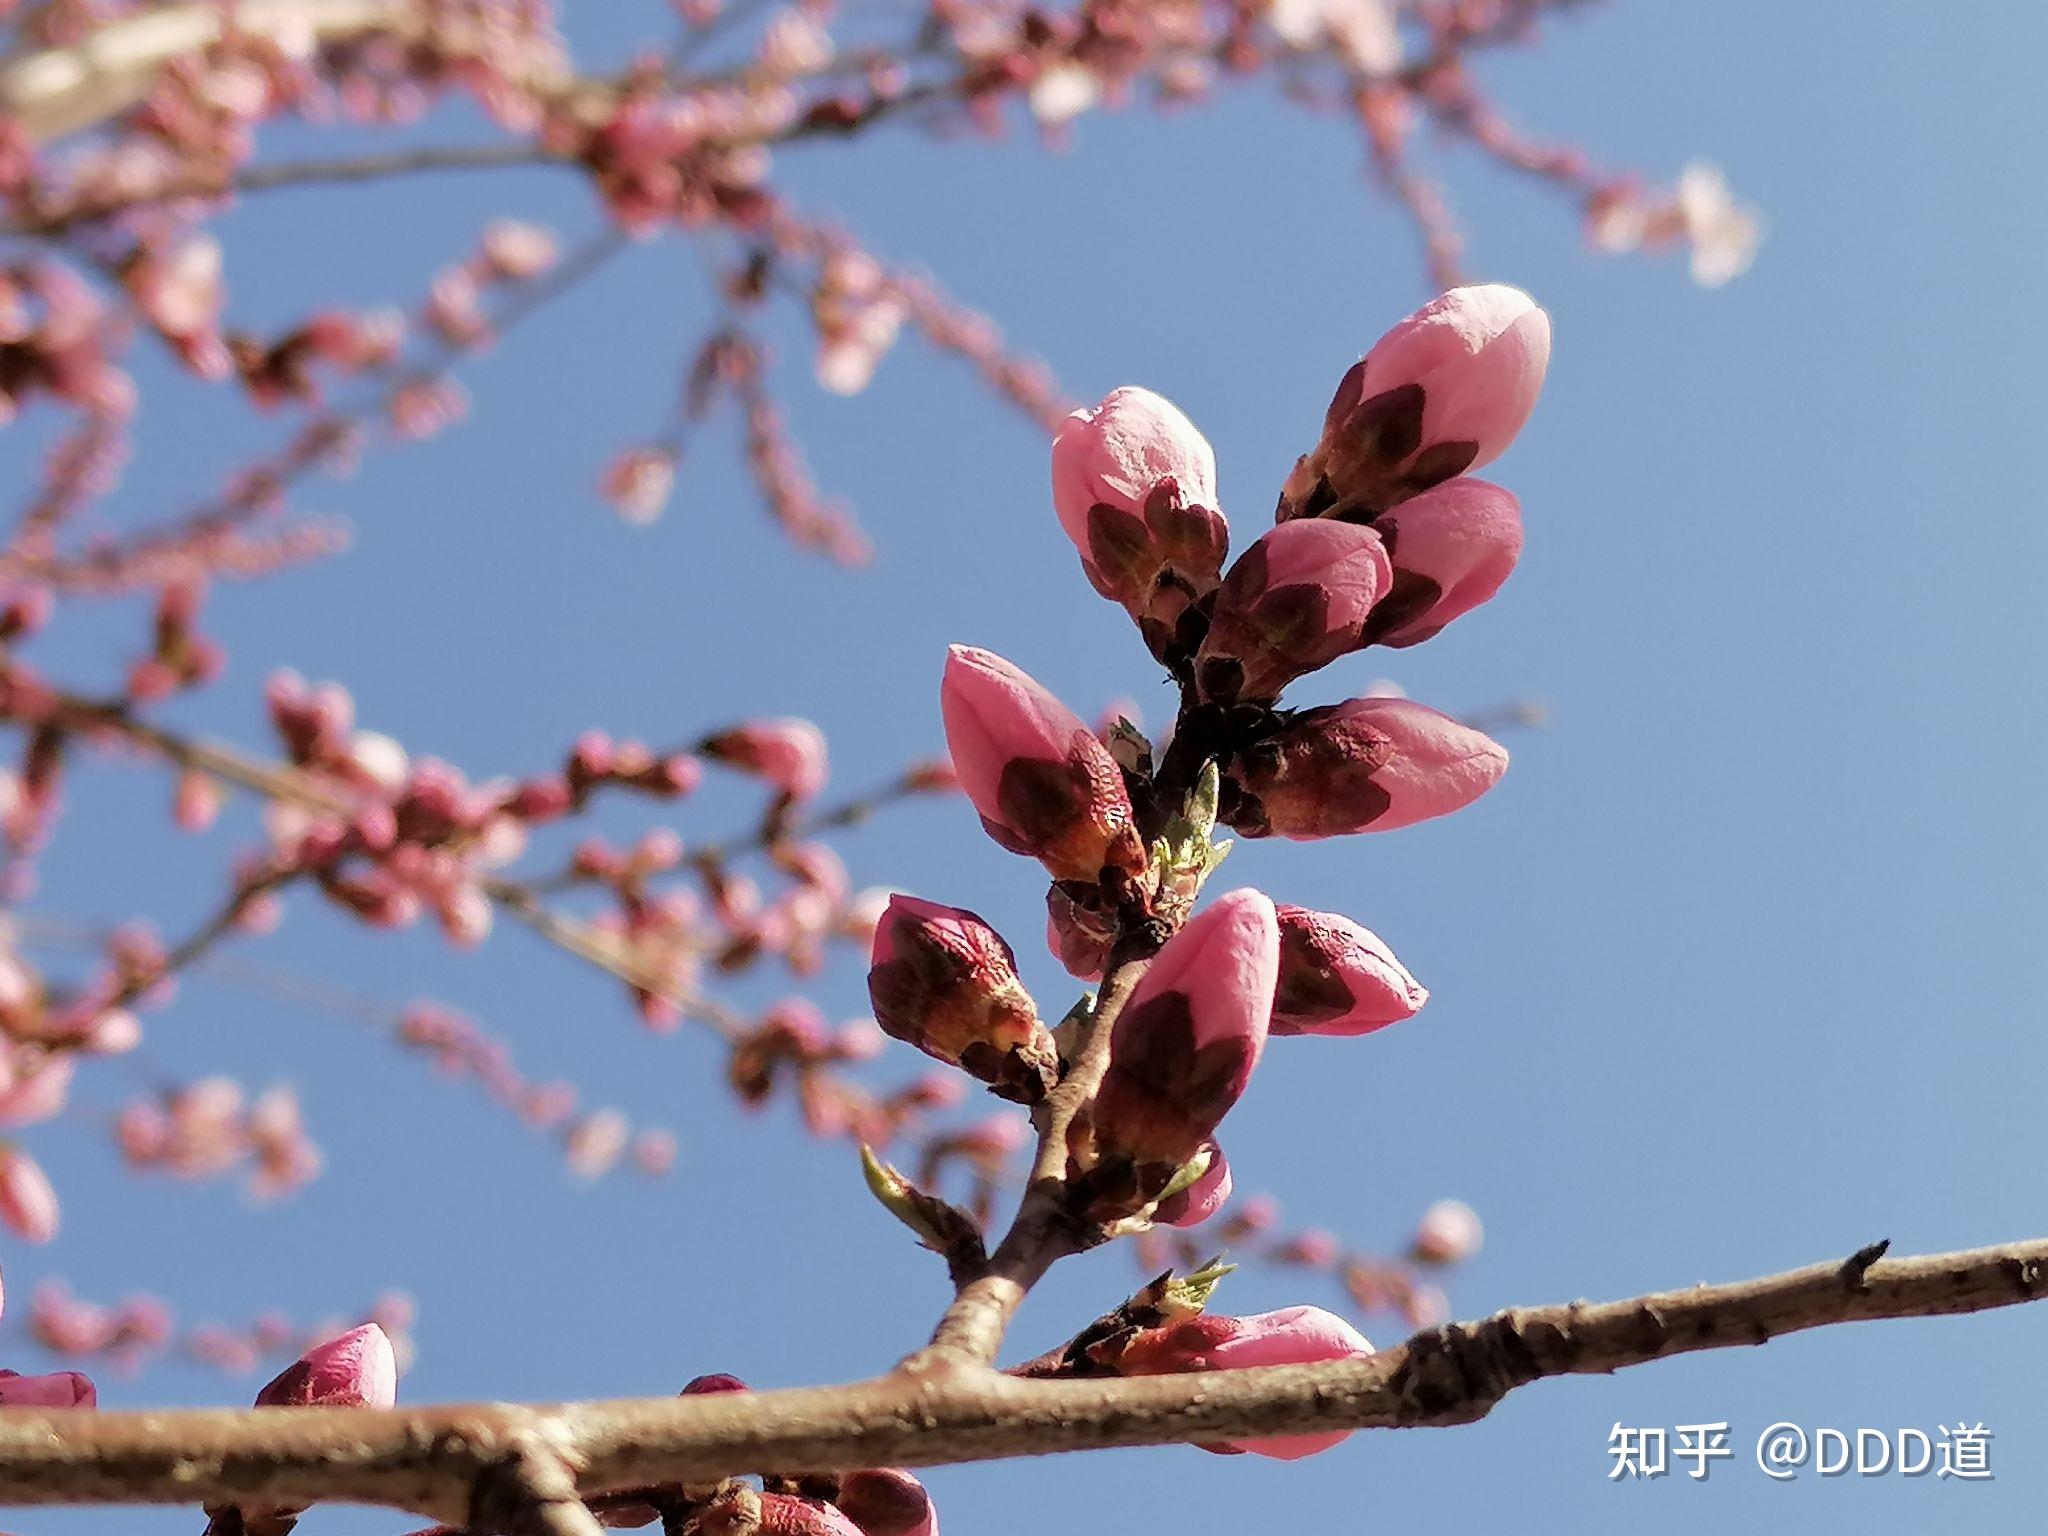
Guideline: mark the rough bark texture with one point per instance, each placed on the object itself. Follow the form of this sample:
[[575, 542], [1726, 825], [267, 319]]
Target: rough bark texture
[[431, 1460]]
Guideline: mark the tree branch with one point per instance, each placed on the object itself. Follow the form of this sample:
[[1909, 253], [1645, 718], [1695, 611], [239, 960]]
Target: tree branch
[[430, 1460], [972, 1329]]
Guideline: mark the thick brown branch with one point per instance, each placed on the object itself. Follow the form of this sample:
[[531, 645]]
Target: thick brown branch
[[429, 1459]]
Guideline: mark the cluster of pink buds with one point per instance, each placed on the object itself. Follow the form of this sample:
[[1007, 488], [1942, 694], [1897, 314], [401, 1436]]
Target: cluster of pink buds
[[202, 1130], [56, 342], [791, 1047], [883, 1501], [1378, 541], [592, 1141], [787, 754], [129, 1333]]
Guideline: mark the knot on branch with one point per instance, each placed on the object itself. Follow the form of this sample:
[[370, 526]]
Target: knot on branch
[[1456, 1373], [530, 1492]]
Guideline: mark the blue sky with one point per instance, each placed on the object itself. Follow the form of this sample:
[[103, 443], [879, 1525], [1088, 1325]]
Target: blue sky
[[1730, 974]]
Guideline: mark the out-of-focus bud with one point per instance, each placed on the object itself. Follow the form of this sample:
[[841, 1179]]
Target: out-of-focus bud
[[1207, 1195], [715, 1381], [60, 1389], [1444, 391], [1449, 1233], [887, 1501], [1078, 928], [1185, 1044], [28, 1201], [1135, 487], [1366, 765], [944, 981], [357, 1370], [1044, 785], [1296, 600], [790, 754], [1451, 548], [1337, 978], [1209, 1342]]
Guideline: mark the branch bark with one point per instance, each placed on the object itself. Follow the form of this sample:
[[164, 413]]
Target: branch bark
[[430, 1460]]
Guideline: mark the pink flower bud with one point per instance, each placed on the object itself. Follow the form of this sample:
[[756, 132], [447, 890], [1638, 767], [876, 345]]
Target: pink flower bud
[[62, 1389], [1045, 787], [887, 1501], [38, 1094], [790, 754], [1449, 1233], [944, 981], [1296, 600], [1444, 391], [357, 1370], [1451, 548], [638, 482], [1367, 765], [1200, 1200], [1208, 1342], [28, 1202], [785, 1514], [1078, 928], [1185, 1044], [1135, 487], [716, 1381], [1337, 978]]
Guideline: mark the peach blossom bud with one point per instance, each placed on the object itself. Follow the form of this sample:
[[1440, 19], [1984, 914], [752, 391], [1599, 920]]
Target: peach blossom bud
[[638, 482], [514, 251], [381, 760], [1296, 600], [1044, 785], [38, 1094], [114, 1033], [1202, 1199], [596, 1142], [1135, 487], [1451, 549], [716, 1381], [1078, 928], [654, 1152], [1208, 1342], [1185, 1044], [790, 754], [356, 1370], [1313, 1249], [1337, 978], [28, 1202], [887, 1501], [1443, 392], [1449, 1233], [62, 1389], [196, 801], [784, 1514], [944, 981], [1366, 765]]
